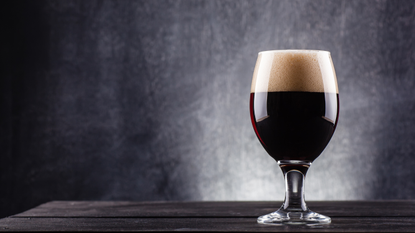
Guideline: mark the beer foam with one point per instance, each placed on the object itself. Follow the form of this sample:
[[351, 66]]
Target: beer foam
[[294, 70]]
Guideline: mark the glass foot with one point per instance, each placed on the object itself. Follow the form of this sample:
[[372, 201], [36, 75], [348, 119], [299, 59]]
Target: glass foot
[[283, 217]]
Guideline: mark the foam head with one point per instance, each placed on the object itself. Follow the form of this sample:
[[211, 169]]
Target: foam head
[[294, 70]]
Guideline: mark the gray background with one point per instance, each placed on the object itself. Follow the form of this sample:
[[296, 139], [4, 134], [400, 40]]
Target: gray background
[[148, 100]]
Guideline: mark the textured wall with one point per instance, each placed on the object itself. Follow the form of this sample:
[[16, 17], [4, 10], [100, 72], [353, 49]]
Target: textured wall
[[148, 100]]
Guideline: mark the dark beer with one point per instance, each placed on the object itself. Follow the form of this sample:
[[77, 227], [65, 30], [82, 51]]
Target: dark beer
[[294, 109], [294, 125]]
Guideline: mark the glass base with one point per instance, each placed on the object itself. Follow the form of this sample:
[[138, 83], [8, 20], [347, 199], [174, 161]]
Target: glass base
[[283, 217]]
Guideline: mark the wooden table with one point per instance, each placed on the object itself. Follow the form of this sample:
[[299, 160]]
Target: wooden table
[[348, 216]]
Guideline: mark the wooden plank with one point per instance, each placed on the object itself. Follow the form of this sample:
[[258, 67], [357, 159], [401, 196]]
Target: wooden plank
[[118, 209], [346, 224]]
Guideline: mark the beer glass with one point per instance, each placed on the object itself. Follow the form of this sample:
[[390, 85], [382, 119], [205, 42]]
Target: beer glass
[[294, 106]]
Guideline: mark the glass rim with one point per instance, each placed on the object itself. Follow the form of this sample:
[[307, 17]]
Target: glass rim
[[294, 51]]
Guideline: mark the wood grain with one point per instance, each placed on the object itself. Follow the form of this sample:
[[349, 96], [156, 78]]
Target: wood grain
[[349, 216], [214, 209], [349, 224]]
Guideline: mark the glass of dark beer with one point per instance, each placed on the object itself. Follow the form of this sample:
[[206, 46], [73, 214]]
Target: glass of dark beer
[[294, 105]]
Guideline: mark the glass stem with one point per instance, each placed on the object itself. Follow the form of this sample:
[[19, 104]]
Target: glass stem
[[294, 174]]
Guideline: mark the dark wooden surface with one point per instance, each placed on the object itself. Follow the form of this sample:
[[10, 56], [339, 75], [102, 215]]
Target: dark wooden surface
[[350, 216]]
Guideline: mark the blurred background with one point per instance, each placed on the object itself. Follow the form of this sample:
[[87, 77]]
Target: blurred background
[[148, 100]]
